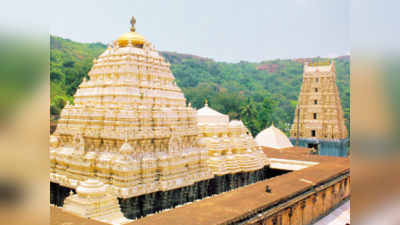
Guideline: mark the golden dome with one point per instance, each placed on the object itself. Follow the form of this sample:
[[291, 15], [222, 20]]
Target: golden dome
[[132, 37], [135, 38]]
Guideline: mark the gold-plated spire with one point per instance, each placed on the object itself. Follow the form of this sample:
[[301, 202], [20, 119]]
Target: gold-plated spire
[[327, 62], [206, 102], [310, 63], [319, 63], [323, 63], [131, 37], [133, 21], [315, 63]]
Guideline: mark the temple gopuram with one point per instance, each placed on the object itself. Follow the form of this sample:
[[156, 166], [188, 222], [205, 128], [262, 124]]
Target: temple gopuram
[[319, 121], [131, 129], [130, 151]]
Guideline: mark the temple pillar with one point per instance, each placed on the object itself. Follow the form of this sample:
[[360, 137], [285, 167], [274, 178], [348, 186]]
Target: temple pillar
[[190, 194], [251, 177], [164, 200], [230, 181], [235, 181], [244, 179], [181, 196], [147, 206], [202, 189], [195, 191], [135, 207], [125, 207]]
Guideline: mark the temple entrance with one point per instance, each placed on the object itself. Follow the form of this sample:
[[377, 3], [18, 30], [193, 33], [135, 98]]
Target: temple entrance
[[314, 146]]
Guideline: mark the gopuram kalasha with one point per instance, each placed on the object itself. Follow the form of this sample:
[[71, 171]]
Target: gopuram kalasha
[[131, 130], [320, 124]]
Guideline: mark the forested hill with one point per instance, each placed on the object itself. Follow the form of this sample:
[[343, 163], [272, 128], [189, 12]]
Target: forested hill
[[258, 93]]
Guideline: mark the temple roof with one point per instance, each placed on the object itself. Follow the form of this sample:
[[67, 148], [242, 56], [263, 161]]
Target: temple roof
[[273, 137], [209, 115], [131, 37]]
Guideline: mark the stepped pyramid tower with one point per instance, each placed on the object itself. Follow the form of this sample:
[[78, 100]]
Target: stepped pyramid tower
[[321, 122], [235, 159], [130, 127]]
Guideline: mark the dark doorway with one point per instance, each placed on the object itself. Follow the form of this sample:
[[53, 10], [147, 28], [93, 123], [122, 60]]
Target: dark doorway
[[313, 133], [312, 145]]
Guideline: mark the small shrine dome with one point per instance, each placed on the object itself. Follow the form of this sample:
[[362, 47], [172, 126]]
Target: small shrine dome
[[92, 188], [272, 137], [209, 115]]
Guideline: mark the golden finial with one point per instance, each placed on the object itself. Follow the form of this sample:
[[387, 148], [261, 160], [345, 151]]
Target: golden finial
[[327, 62], [310, 63], [133, 21], [272, 123], [206, 102], [319, 63], [323, 63], [315, 63]]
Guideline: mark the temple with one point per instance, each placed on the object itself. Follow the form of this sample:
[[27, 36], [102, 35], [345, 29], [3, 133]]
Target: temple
[[130, 126], [319, 121], [130, 151], [235, 159], [130, 129], [93, 202]]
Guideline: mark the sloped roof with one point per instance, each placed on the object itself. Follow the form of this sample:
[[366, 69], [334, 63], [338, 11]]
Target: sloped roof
[[273, 137], [207, 114]]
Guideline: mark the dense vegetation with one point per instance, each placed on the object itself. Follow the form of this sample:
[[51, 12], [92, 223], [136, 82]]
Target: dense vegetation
[[257, 93]]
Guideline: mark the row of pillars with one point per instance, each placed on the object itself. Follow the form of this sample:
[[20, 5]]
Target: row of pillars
[[141, 206]]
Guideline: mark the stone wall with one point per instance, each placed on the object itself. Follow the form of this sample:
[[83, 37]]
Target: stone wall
[[304, 208]]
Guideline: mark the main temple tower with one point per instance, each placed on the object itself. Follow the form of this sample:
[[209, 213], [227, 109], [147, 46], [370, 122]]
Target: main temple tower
[[320, 124], [130, 129]]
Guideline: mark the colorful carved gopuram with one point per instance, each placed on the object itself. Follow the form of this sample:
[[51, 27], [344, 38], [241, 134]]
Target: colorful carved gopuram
[[235, 159], [131, 128], [320, 124]]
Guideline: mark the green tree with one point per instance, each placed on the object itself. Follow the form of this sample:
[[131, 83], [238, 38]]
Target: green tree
[[58, 103], [267, 109], [248, 111]]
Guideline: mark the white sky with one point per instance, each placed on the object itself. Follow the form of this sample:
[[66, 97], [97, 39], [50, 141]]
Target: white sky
[[224, 30]]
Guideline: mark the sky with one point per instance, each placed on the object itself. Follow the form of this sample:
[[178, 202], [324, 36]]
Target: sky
[[224, 30]]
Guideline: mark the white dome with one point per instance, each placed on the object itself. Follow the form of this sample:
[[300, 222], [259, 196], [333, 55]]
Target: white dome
[[209, 115], [273, 137]]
